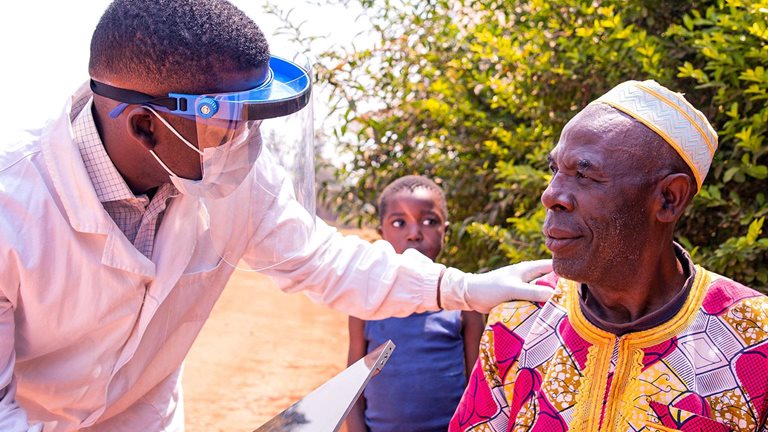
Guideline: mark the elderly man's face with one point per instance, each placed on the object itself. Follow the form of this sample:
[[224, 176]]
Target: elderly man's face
[[598, 199]]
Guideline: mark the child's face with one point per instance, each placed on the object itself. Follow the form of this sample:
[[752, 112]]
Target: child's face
[[413, 219]]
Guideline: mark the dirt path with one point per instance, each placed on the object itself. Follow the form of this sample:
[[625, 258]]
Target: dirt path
[[259, 352]]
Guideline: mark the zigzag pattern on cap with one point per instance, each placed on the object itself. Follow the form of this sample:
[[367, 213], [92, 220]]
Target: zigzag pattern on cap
[[671, 116]]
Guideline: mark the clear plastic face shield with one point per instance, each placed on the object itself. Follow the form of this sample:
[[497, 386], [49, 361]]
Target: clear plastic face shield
[[257, 152]]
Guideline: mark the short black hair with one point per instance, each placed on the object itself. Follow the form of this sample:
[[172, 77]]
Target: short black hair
[[175, 42], [411, 183]]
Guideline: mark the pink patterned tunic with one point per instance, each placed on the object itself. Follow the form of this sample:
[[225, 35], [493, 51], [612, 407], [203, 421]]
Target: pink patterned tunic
[[545, 367]]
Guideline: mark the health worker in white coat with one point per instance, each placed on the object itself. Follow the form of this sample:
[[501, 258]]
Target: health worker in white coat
[[122, 221]]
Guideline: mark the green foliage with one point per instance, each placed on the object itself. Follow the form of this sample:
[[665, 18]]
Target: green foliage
[[729, 44], [474, 95]]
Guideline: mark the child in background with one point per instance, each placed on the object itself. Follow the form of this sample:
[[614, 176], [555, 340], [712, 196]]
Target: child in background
[[422, 383]]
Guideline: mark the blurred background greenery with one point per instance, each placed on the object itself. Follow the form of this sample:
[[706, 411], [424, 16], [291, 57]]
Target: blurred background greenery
[[475, 93]]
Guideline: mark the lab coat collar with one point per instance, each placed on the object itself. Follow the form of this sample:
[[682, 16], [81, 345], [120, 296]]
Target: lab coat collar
[[78, 197]]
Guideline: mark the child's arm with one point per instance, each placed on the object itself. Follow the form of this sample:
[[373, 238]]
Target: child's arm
[[355, 421], [472, 325]]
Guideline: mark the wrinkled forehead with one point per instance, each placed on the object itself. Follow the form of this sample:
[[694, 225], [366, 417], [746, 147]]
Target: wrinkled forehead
[[599, 132], [599, 119]]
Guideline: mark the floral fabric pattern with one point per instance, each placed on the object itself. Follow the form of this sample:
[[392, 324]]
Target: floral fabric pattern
[[545, 367]]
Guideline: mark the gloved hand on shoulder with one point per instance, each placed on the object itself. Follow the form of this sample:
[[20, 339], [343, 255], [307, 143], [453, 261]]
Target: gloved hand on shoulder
[[481, 292]]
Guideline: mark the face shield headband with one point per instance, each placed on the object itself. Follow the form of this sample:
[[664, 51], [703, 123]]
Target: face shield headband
[[285, 90], [279, 165]]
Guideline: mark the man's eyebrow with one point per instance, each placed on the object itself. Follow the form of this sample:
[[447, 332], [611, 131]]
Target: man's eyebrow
[[550, 159]]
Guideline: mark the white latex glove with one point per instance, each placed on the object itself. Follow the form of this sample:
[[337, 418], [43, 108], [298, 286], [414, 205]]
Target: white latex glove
[[482, 291]]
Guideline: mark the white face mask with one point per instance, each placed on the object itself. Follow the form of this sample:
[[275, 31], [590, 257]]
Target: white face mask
[[224, 167]]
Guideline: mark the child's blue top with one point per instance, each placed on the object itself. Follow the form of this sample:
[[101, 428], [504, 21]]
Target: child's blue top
[[422, 383]]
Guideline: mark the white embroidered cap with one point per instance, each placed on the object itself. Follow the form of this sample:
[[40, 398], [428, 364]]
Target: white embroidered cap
[[672, 117]]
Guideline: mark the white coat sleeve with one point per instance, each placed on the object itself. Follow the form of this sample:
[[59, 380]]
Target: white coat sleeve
[[347, 273], [12, 416], [363, 279]]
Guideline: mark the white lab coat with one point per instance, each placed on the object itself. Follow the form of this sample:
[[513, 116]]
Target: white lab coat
[[93, 334]]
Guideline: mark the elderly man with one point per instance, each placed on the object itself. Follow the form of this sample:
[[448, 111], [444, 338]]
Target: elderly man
[[122, 221], [637, 337]]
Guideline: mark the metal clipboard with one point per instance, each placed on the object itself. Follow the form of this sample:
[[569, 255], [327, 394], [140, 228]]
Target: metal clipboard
[[327, 406]]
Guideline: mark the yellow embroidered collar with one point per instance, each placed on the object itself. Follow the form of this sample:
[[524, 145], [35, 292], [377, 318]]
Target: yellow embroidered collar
[[640, 339]]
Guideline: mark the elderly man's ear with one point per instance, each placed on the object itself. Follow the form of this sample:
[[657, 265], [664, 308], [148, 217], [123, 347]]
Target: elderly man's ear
[[673, 194]]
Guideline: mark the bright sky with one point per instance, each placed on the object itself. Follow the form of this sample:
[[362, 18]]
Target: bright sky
[[45, 47]]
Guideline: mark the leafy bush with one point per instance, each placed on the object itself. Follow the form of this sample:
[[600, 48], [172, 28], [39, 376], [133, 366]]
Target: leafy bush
[[730, 43], [474, 95]]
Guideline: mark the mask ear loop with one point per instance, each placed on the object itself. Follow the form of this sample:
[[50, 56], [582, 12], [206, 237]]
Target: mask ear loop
[[172, 129], [162, 164]]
